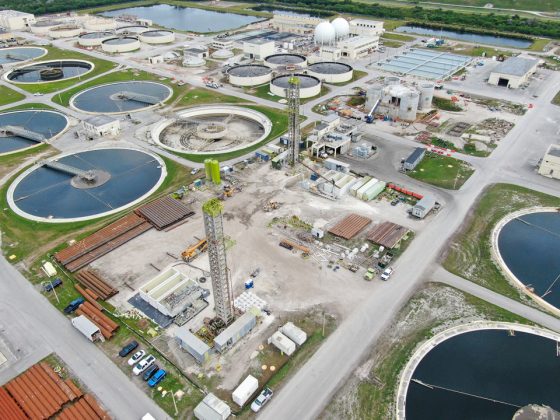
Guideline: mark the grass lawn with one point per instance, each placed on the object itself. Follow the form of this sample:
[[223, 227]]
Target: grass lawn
[[7, 95], [389, 43], [101, 66], [556, 99], [279, 126], [445, 104], [397, 37], [469, 254], [539, 43], [20, 237], [29, 106], [199, 96], [442, 171], [475, 51], [468, 149], [10, 162]]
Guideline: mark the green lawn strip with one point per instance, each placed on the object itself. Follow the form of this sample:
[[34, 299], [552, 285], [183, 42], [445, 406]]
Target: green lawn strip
[[24, 238], [392, 44], [469, 254], [7, 95], [279, 121], [475, 50], [442, 171], [468, 149], [539, 43], [101, 66], [445, 104], [199, 96], [397, 37], [29, 106], [556, 99]]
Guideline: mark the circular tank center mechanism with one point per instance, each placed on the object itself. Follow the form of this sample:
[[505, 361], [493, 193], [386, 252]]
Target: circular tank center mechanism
[[211, 130], [90, 179], [51, 74]]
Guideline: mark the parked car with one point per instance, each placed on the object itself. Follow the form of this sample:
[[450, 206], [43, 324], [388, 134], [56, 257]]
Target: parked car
[[195, 171], [48, 286], [72, 306], [395, 202], [143, 364], [136, 357], [157, 378], [370, 273], [150, 372], [262, 399], [387, 273], [129, 348]]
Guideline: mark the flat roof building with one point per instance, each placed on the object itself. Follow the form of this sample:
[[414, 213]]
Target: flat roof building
[[423, 207], [258, 48], [357, 46], [12, 20], [366, 27], [235, 331], [101, 125], [414, 158], [513, 72], [193, 345], [212, 408], [294, 23], [550, 165]]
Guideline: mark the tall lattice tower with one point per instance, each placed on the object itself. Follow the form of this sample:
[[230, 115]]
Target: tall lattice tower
[[213, 224], [293, 119]]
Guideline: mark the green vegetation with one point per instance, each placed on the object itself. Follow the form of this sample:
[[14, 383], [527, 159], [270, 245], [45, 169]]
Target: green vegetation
[[446, 104], [468, 149], [442, 171], [470, 256], [29, 106], [541, 6], [397, 37], [7, 96], [10, 162], [475, 50], [101, 66], [556, 99], [20, 237], [279, 121], [198, 96]]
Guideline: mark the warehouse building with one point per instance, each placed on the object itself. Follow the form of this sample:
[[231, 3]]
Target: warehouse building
[[513, 72], [423, 207], [366, 27], [351, 48], [550, 165], [258, 48], [414, 159], [294, 23], [193, 345], [13, 20], [100, 126]]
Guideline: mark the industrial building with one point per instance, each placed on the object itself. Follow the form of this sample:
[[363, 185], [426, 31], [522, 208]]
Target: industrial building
[[294, 23], [258, 48], [212, 408], [193, 345], [100, 126], [366, 27], [235, 332], [414, 159], [513, 72], [352, 48], [423, 207], [222, 44], [13, 20], [550, 164], [335, 184]]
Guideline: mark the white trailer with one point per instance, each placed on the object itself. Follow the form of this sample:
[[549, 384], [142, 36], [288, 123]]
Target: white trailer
[[297, 335], [282, 343], [243, 392]]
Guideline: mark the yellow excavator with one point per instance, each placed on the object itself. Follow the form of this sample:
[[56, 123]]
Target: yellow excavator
[[193, 251]]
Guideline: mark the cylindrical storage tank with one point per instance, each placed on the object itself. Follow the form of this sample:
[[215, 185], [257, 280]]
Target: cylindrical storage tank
[[43, 27], [392, 80], [309, 86], [249, 75], [65, 31], [215, 167], [409, 106], [374, 94], [331, 72], [284, 60], [426, 95], [120, 44], [157, 37], [208, 169], [222, 54], [193, 61], [94, 39], [100, 24], [131, 30]]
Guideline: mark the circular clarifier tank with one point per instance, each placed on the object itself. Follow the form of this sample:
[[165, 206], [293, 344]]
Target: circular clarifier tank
[[211, 129], [331, 72], [131, 30], [481, 371], [157, 37], [85, 185], [249, 75], [120, 44], [21, 130], [283, 60], [94, 39], [20, 54], [49, 71], [121, 97], [528, 249], [309, 86]]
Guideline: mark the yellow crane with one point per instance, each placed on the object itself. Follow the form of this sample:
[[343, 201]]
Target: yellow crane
[[193, 251]]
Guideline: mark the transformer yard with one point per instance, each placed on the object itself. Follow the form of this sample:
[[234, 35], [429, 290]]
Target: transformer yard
[[296, 217]]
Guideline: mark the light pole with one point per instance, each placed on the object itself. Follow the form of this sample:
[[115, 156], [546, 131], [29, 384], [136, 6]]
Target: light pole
[[52, 288]]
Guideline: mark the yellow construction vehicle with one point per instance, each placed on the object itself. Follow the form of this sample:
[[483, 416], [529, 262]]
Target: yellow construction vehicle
[[193, 251]]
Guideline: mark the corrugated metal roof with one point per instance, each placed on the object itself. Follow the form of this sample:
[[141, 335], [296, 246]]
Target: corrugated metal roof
[[192, 341], [426, 203], [415, 155], [240, 324], [515, 66]]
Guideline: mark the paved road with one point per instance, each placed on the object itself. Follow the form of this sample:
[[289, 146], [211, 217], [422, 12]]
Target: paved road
[[532, 314], [49, 331]]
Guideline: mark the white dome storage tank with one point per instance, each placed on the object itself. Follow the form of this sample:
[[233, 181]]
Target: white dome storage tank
[[409, 106], [426, 95], [325, 33], [222, 54], [341, 28], [193, 61]]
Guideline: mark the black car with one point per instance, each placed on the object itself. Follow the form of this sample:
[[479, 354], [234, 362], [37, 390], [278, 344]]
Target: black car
[[150, 372], [126, 350]]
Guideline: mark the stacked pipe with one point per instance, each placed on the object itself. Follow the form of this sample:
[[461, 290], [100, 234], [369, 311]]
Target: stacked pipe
[[106, 325], [92, 281]]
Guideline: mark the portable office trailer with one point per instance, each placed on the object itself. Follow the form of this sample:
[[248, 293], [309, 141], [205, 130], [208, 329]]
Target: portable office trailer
[[296, 334], [243, 392]]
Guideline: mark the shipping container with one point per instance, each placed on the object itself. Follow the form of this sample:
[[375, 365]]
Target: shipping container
[[245, 390]]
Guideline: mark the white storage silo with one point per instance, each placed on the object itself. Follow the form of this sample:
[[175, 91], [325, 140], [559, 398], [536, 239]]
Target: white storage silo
[[373, 94], [426, 95], [392, 80], [409, 106]]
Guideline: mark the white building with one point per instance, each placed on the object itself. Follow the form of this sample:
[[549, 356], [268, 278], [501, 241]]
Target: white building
[[101, 125], [282, 343], [423, 207], [366, 27], [222, 44], [513, 72], [358, 46], [296, 24], [13, 20], [212, 408], [550, 165], [330, 53], [258, 49]]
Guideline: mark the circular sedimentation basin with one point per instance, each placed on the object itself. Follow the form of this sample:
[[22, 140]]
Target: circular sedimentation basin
[[32, 73]]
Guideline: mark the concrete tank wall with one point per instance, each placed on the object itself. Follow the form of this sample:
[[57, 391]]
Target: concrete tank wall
[[373, 94], [332, 78], [426, 95], [121, 48], [165, 38], [93, 42], [392, 80], [65, 32], [250, 81], [409, 106], [304, 93], [44, 29]]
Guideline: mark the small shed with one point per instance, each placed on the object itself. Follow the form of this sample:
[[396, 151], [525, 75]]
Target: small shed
[[194, 345], [235, 331], [101, 125], [296, 334], [414, 159], [87, 328], [423, 207], [156, 59], [212, 408], [282, 343]]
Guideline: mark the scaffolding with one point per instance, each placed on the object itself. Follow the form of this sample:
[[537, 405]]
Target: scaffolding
[[294, 134], [213, 224]]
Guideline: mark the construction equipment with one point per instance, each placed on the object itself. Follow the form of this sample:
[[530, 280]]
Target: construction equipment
[[284, 243], [369, 117], [193, 251]]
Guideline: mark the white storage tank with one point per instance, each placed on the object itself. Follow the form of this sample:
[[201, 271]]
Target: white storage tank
[[249, 75], [374, 93], [392, 80], [94, 39], [157, 37], [426, 95], [296, 334], [279, 340], [245, 390], [65, 31], [43, 27], [409, 106], [331, 71], [309, 86], [120, 44], [222, 54]]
